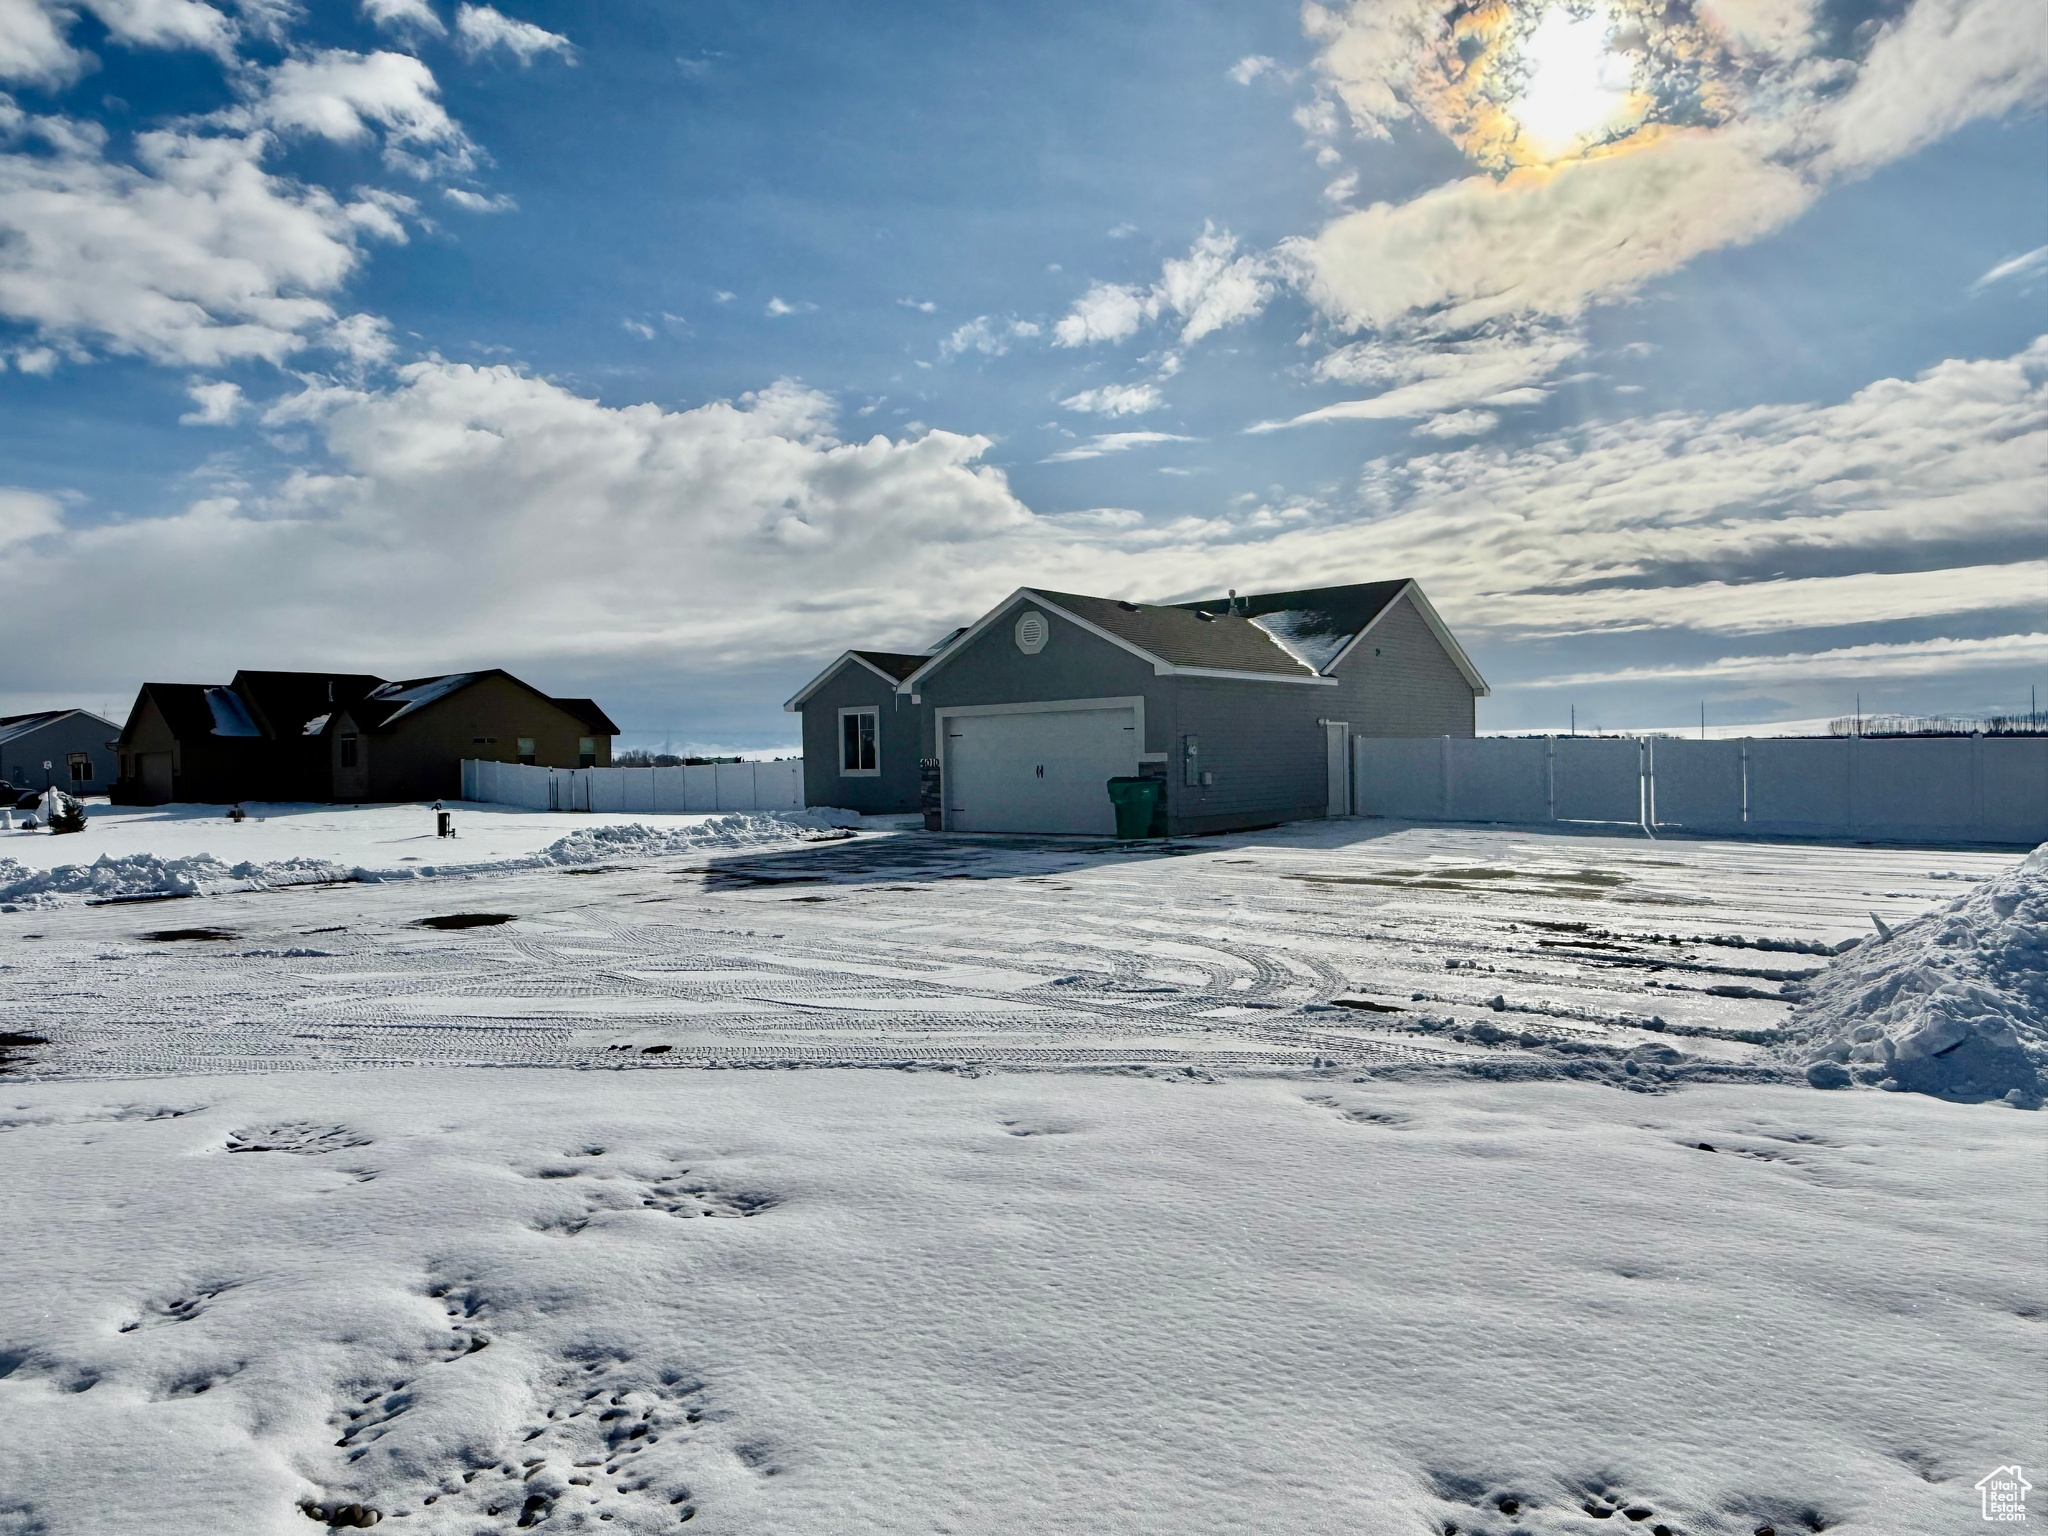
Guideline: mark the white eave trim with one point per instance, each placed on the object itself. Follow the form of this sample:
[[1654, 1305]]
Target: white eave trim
[[1437, 627], [1252, 677], [796, 700]]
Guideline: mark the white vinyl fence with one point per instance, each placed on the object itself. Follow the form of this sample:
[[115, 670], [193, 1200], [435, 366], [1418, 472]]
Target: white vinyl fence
[[1973, 789], [698, 787]]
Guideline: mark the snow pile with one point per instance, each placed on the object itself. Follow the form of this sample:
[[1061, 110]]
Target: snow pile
[[1954, 1004], [741, 829], [201, 874], [144, 874]]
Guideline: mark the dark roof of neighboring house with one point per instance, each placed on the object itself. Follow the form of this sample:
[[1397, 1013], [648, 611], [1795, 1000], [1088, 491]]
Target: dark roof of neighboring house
[[1184, 637], [287, 701], [193, 710], [897, 664], [1318, 623], [388, 703], [587, 711]]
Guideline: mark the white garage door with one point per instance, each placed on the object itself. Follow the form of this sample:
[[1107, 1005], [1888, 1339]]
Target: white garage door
[[1037, 771]]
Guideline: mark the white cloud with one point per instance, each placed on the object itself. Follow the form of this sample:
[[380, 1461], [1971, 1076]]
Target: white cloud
[[1121, 231], [922, 306], [1431, 375], [193, 255], [1459, 424], [478, 202], [1209, 288], [26, 515], [1250, 67], [166, 24], [398, 14], [1549, 243], [219, 402], [1759, 607], [482, 28], [481, 514], [638, 328], [2023, 269], [778, 306], [1782, 123], [1113, 442], [1106, 312], [32, 45], [1940, 65], [1902, 659], [986, 335], [1764, 519], [1116, 400], [348, 97]]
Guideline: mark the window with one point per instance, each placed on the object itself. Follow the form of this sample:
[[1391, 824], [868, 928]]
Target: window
[[81, 768], [526, 752], [347, 747], [859, 741], [586, 752]]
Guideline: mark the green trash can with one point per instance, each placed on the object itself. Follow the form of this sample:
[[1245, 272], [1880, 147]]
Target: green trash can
[[1140, 807]]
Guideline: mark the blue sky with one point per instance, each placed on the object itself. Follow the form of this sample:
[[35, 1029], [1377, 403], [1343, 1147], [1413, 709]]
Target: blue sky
[[661, 352]]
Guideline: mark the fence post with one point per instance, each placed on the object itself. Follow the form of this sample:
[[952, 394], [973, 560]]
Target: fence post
[[1550, 777]]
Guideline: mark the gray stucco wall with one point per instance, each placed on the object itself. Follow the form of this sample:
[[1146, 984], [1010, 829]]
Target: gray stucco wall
[[1399, 681], [21, 759], [896, 788]]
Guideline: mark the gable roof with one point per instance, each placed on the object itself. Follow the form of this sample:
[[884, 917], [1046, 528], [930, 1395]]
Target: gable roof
[[892, 667], [1321, 625], [287, 703], [184, 707], [1174, 639], [587, 711], [14, 727], [1183, 637]]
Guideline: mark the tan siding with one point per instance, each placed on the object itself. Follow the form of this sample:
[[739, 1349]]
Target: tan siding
[[420, 757]]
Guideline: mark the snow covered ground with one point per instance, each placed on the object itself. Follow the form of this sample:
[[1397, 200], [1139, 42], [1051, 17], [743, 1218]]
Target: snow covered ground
[[837, 1302], [1320, 945], [1278, 1182]]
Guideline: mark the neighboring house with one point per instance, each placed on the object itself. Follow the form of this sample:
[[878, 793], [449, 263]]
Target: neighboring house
[[76, 744], [1245, 705], [344, 736]]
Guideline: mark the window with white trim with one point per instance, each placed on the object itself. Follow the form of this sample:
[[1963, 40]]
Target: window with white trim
[[860, 741]]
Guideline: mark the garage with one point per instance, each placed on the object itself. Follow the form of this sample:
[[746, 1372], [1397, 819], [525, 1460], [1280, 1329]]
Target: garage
[[1036, 768]]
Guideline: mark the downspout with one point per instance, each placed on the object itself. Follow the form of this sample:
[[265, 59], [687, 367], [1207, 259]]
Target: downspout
[[1646, 795]]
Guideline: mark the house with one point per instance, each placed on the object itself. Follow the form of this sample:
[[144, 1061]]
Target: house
[[344, 736], [1245, 706], [69, 749]]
